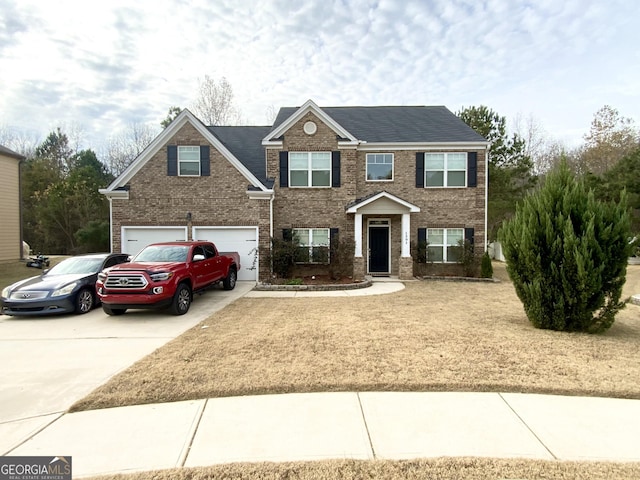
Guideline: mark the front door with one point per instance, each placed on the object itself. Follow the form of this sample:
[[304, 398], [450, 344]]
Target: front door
[[378, 249]]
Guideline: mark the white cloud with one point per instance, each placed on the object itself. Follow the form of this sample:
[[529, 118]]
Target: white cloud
[[105, 65]]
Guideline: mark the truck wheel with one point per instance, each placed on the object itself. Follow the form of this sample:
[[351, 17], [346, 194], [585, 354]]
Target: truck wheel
[[113, 311], [181, 300], [229, 283]]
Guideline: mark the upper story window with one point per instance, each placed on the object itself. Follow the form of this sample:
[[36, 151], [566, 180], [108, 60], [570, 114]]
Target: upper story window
[[309, 169], [445, 169], [380, 167], [189, 161]]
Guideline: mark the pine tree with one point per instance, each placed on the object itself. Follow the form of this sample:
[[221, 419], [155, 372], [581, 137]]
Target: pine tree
[[567, 255]]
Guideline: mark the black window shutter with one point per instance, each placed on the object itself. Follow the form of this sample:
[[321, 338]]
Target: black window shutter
[[469, 235], [333, 241], [422, 235], [287, 234], [419, 169], [472, 169], [333, 236], [205, 162], [284, 169], [335, 169], [172, 160]]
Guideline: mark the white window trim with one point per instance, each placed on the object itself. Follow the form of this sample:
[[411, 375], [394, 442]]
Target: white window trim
[[310, 246], [446, 170], [189, 161], [310, 171], [393, 167], [445, 244]]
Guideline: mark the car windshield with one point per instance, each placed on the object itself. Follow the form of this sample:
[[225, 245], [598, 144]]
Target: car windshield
[[163, 254], [75, 265]]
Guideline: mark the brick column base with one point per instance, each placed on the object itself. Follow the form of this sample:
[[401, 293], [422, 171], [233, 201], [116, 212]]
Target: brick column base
[[358, 268], [406, 268]]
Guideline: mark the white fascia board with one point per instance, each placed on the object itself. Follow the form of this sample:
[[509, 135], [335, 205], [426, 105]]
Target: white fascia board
[[308, 106], [412, 208], [260, 195], [421, 146], [180, 121], [117, 194]]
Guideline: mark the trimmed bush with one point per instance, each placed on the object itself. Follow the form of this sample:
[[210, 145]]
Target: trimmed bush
[[486, 269], [567, 255]]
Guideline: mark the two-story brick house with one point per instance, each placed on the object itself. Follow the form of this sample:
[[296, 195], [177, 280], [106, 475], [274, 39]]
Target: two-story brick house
[[384, 177]]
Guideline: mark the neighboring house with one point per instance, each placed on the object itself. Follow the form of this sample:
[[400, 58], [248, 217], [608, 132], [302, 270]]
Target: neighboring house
[[383, 177], [11, 232]]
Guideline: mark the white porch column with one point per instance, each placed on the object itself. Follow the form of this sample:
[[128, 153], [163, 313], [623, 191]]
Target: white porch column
[[406, 236], [357, 225]]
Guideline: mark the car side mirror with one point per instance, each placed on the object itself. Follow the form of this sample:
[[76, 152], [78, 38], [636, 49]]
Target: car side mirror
[[198, 257]]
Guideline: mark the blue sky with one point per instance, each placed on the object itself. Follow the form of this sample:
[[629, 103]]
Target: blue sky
[[104, 65]]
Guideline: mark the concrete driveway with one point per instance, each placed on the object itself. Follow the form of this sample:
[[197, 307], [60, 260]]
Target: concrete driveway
[[48, 363]]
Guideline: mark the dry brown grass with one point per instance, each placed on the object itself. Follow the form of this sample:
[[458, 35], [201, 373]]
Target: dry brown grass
[[438, 468], [11, 272], [434, 335]]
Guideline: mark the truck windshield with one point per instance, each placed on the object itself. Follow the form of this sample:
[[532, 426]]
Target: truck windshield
[[162, 253]]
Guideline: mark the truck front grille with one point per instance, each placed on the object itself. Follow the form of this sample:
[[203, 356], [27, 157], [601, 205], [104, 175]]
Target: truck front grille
[[129, 281]]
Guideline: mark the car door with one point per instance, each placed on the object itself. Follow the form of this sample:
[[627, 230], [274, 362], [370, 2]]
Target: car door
[[200, 267], [216, 264]]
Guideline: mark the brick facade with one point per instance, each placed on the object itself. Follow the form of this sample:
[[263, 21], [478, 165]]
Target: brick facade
[[325, 207], [221, 199], [156, 199]]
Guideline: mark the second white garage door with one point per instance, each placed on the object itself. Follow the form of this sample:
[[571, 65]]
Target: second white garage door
[[243, 240]]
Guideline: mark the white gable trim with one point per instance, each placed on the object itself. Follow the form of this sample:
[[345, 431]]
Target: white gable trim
[[412, 208], [309, 106], [180, 121]]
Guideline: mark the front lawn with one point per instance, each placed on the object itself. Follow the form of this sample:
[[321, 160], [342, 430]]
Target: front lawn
[[433, 336]]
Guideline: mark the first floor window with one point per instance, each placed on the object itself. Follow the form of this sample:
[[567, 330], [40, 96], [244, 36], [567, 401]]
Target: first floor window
[[309, 169], [445, 169], [313, 245], [443, 244], [189, 161], [379, 166]]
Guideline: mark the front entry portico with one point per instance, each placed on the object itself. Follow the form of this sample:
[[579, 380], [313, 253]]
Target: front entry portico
[[379, 212]]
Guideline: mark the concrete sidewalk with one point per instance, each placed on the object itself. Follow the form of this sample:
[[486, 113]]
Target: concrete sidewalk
[[317, 426]]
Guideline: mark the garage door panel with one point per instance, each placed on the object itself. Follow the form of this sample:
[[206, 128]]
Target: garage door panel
[[135, 239], [241, 240]]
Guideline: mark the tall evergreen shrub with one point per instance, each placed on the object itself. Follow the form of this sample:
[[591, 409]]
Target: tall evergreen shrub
[[567, 255]]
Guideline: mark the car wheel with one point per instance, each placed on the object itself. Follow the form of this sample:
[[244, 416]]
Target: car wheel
[[113, 311], [84, 301], [181, 300], [229, 283]]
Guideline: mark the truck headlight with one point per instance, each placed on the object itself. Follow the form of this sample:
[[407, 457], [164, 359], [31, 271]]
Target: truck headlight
[[161, 276], [66, 290]]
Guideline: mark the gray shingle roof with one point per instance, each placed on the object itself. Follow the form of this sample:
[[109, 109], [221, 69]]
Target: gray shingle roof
[[397, 124], [10, 153], [245, 143], [370, 124]]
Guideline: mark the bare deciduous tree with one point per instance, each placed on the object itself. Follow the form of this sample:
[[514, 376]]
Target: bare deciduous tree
[[611, 138], [123, 147], [21, 142], [214, 105]]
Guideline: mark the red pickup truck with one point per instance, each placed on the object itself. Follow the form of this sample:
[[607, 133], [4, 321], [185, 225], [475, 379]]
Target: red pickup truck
[[165, 275]]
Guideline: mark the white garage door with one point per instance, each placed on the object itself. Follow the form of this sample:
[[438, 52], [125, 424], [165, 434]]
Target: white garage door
[[234, 239], [135, 239]]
